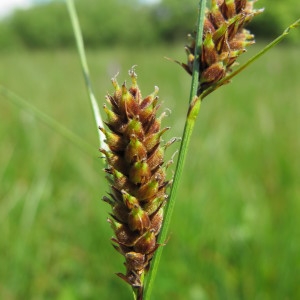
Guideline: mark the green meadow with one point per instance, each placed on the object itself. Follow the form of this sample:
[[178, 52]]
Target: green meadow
[[235, 229]]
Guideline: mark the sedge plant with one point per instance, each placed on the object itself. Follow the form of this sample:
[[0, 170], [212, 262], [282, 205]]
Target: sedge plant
[[141, 208], [141, 195]]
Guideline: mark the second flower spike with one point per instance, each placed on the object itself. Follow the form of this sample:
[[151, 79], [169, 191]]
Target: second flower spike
[[224, 40]]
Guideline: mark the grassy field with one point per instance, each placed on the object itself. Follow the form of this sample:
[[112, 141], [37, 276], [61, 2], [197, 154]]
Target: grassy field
[[234, 233]]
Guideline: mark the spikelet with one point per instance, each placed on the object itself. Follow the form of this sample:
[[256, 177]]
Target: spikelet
[[137, 176], [224, 40]]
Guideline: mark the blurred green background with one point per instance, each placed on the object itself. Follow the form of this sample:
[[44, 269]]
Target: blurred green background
[[235, 229]]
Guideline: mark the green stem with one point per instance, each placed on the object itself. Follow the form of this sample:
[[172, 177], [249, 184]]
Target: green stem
[[65, 132], [192, 114], [85, 70], [134, 293]]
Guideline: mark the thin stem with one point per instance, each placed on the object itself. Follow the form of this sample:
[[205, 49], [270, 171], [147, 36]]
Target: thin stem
[[193, 111], [134, 291], [65, 132], [85, 69]]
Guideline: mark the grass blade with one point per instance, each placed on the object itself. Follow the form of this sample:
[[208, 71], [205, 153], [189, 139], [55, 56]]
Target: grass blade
[[85, 69], [65, 132], [193, 111]]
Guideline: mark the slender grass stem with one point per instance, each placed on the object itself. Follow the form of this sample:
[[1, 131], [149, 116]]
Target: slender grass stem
[[65, 132], [194, 107], [85, 69]]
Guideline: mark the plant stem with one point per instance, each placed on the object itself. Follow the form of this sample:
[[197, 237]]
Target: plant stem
[[65, 132], [193, 110], [85, 70]]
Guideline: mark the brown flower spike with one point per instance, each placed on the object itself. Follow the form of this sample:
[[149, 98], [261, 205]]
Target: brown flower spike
[[137, 176], [224, 40]]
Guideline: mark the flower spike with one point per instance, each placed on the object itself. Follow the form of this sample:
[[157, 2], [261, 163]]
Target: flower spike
[[138, 180], [224, 40]]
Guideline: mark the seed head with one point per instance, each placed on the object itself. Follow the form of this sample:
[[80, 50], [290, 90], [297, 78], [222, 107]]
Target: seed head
[[137, 175], [224, 40]]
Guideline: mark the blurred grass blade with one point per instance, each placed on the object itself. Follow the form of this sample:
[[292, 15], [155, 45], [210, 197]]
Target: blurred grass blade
[[65, 132], [252, 59], [193, 111], [85, 69]]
